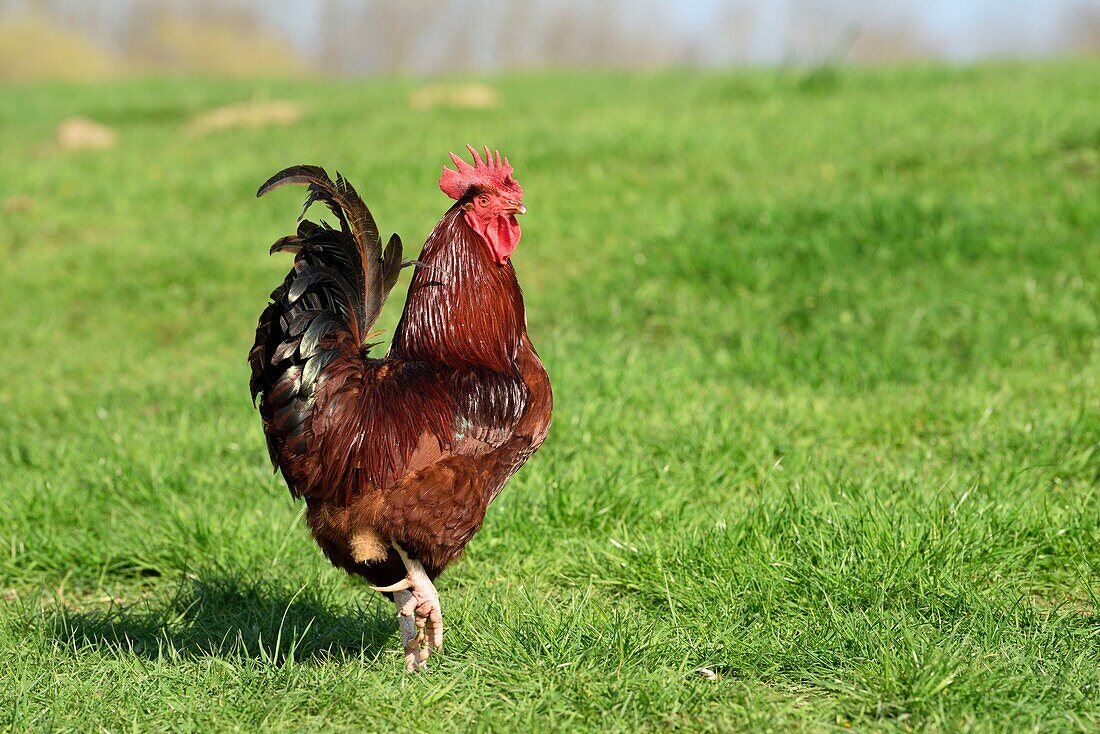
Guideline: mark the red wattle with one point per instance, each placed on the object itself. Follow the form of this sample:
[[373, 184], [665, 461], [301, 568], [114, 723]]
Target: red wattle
[[502, 234]]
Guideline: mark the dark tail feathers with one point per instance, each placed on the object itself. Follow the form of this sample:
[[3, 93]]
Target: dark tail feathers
[[334, 292]]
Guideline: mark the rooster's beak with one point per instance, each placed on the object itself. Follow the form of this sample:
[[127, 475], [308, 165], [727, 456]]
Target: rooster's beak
[[519, 209]]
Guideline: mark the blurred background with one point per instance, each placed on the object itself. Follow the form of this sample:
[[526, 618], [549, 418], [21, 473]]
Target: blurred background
[[89, 39]]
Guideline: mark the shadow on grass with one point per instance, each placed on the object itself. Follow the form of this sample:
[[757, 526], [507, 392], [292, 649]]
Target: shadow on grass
[[227, 617]]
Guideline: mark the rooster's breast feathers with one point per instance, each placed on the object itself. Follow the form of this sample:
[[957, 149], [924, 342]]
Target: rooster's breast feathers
[[376, 423]]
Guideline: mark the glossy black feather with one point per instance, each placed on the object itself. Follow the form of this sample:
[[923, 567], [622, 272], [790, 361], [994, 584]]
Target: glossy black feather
[[321, 326], [314, 366], [287, 387], [300, 321], [391, 264], [285, 351], [290, 243]]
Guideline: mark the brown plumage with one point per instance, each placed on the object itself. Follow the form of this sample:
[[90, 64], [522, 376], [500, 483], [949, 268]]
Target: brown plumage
[[403, 454]]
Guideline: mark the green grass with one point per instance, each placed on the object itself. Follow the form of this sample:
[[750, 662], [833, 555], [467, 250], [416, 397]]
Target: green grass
[[824, 351]]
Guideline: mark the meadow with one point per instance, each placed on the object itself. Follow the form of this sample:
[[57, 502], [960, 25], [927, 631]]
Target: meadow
[[826, 448]]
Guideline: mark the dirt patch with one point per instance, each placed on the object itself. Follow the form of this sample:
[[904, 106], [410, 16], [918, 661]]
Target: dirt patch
[[80, 133], [245, 114], [18, 203], [462, 96]]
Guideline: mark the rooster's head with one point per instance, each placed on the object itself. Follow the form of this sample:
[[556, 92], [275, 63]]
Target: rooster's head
[[490, 197]]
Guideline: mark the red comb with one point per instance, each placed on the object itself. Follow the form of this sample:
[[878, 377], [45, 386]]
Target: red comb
[[490, 173]]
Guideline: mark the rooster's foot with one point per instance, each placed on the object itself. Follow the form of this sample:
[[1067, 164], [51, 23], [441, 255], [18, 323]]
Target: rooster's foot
[[419, 614], [412, 634]]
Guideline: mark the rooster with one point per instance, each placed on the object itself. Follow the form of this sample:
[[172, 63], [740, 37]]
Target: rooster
[[398, 457]]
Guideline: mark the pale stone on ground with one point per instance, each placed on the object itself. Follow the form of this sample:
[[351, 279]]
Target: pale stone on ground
[[245, 115], [80, 133], [461, 96]]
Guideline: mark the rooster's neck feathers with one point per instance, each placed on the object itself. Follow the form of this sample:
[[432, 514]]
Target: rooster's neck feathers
[[463, 309]]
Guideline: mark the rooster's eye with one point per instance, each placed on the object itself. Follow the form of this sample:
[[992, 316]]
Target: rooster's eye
[[483, 200]]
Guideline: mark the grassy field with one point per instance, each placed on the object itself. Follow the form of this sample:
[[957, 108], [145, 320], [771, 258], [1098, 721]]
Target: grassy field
[[824, 349]]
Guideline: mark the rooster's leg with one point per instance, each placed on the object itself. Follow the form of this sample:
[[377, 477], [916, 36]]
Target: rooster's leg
[[412, 637], [419, 613]]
